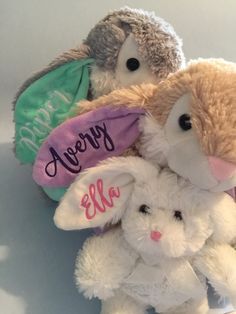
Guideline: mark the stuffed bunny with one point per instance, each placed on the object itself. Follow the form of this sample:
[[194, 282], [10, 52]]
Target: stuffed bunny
[[128, 46], [189, 126], [151, 258]]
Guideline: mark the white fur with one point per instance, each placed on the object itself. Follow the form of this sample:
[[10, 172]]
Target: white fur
[[104, 81], [111, 263], [126, 77], [92, 256], [217, 262], [121, 303], [154, 146]]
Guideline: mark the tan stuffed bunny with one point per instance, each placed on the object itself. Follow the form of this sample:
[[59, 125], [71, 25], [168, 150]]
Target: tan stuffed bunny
[[190, 122]]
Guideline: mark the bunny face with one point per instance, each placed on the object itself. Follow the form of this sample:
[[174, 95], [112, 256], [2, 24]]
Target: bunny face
[[130, 69], [164, 219], [192, 128]]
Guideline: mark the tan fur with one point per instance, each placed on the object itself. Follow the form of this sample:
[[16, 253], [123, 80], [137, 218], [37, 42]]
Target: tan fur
[[214, 111], [212, 85], [81, 52], [135, 96]]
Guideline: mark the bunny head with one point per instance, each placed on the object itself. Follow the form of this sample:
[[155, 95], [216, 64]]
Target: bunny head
[[160, 213], [190, 122], [128, 46], [193, 124], [132, 46]]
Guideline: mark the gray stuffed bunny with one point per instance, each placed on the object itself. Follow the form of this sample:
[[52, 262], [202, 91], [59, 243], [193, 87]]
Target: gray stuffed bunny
[[128, 46]]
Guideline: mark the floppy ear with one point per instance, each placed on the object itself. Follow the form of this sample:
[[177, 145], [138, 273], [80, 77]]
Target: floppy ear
[[83, 141], [99, 196], [46, 100]]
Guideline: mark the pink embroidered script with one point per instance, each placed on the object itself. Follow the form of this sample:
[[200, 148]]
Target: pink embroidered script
[[96, 199]]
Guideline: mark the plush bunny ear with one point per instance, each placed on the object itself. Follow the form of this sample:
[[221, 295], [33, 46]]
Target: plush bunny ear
[[46, 101], [82, 142], [99, 196]]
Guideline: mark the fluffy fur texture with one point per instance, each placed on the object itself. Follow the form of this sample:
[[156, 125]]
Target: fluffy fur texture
[[158, 46], [205, 90], [71, 55], [158, 43], [217, 262], [102, 81], [117, 262]]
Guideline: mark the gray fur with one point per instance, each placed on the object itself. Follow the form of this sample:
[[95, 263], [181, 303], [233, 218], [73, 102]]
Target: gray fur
[[105, 41], [158, 44]]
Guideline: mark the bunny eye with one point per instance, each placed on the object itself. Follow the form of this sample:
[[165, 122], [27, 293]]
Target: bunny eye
[[144, 209], [178, 215], [132, 64], [185, 122]]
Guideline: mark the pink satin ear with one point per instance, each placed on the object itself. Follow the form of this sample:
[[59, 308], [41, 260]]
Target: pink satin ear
[[83, 141]]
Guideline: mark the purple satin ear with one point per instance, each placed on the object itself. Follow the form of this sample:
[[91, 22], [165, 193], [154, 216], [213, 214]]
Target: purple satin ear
[[83, 141]]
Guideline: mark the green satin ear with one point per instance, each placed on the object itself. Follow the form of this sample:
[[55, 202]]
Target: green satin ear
[[46, 103]]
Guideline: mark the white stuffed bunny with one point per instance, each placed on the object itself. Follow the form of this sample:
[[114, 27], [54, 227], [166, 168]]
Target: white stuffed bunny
[[155, 256]]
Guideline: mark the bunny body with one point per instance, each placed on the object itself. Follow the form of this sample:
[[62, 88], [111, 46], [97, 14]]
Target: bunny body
[[151, 259], [126, 277]]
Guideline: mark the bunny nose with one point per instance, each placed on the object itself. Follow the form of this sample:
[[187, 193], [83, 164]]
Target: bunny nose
[[220, 168], [155, 235]]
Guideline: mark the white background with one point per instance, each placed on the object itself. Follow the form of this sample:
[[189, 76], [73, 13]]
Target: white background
[[36, 259]]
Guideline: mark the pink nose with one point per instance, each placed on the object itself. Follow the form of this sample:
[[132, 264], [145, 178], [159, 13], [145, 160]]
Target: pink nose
[[155, 235], [220, 168]]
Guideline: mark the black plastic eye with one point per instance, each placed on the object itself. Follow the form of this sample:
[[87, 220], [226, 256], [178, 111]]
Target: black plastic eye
[[144, 209], [132, 64], [185, 122], [178, 215]]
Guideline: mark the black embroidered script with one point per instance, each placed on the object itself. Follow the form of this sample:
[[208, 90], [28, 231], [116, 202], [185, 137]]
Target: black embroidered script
[[69, 159]]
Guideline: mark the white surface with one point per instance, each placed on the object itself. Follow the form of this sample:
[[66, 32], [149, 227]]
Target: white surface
[[36, 259]]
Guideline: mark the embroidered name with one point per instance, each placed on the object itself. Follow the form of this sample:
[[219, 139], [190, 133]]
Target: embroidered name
[[33, 133], [69, 159], [95, 200]]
